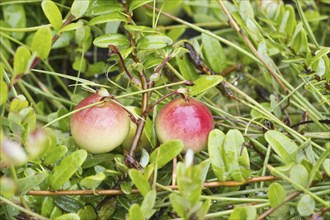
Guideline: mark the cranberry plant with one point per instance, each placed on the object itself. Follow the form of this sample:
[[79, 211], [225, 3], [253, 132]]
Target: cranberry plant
[[163, 109]]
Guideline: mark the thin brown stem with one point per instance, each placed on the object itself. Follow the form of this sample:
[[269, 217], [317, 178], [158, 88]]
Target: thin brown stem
[[231, 69], [114, 50], [115, 192], [271, 210], [159, 100], [251, 46], [142, 121]]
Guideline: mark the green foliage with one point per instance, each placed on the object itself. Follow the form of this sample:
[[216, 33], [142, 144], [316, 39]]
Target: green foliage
[[52, 13], [67, 168], [265, 76]]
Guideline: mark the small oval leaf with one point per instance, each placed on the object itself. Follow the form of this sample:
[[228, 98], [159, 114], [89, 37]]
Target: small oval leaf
[[326, 166], [92, 182], [204, 83], [135, 28], [66, 168], [306, 205], [42, 42], [213, 53], [54, 154], [276, 194], [299, 175], [21, 60], [52, 13], [166, 152], [27, 183], [232, 147], [67, 203], [215, 148], [114, 16], [284, 147], [135, 212], [118, 40], [68, 216], [15, 16], [247, 212], [140, 181], [153, 42], [71, 27], [79, 7]]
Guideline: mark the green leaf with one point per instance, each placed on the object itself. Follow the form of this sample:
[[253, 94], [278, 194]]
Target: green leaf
[[68, 216], [3, 86], [215, 148], [205, 166], [153, 42], [71, 27], [135, 28], [93, 160], [284, 147], [135, 213], [319, 54], [52, 13], [92, 182], [42, 42], [126, 187], [79, 8], [176, 33], [140, 181], [190, 183], [314, 172], [15, 16], [247, 212], [96, 68], [150, 132], [82, 34], [64, 41], [179, 204], [148, 203], [326, 166], [54, 154], [80, 64], [67, 203], [299, 175], [137, 3], [118, 40], [68, 166], [186, 67], [213, 53], [203, 210], [288, 22], [47, 206], [3, 92], [27, 183], [87, 212], [166, 152], [204, 83], [21, 60], [276, 194], [56, 212], [103, 7], [299, 40], [107, 209], [232, 147], [246, 10], [306, 205], [114, 16]]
